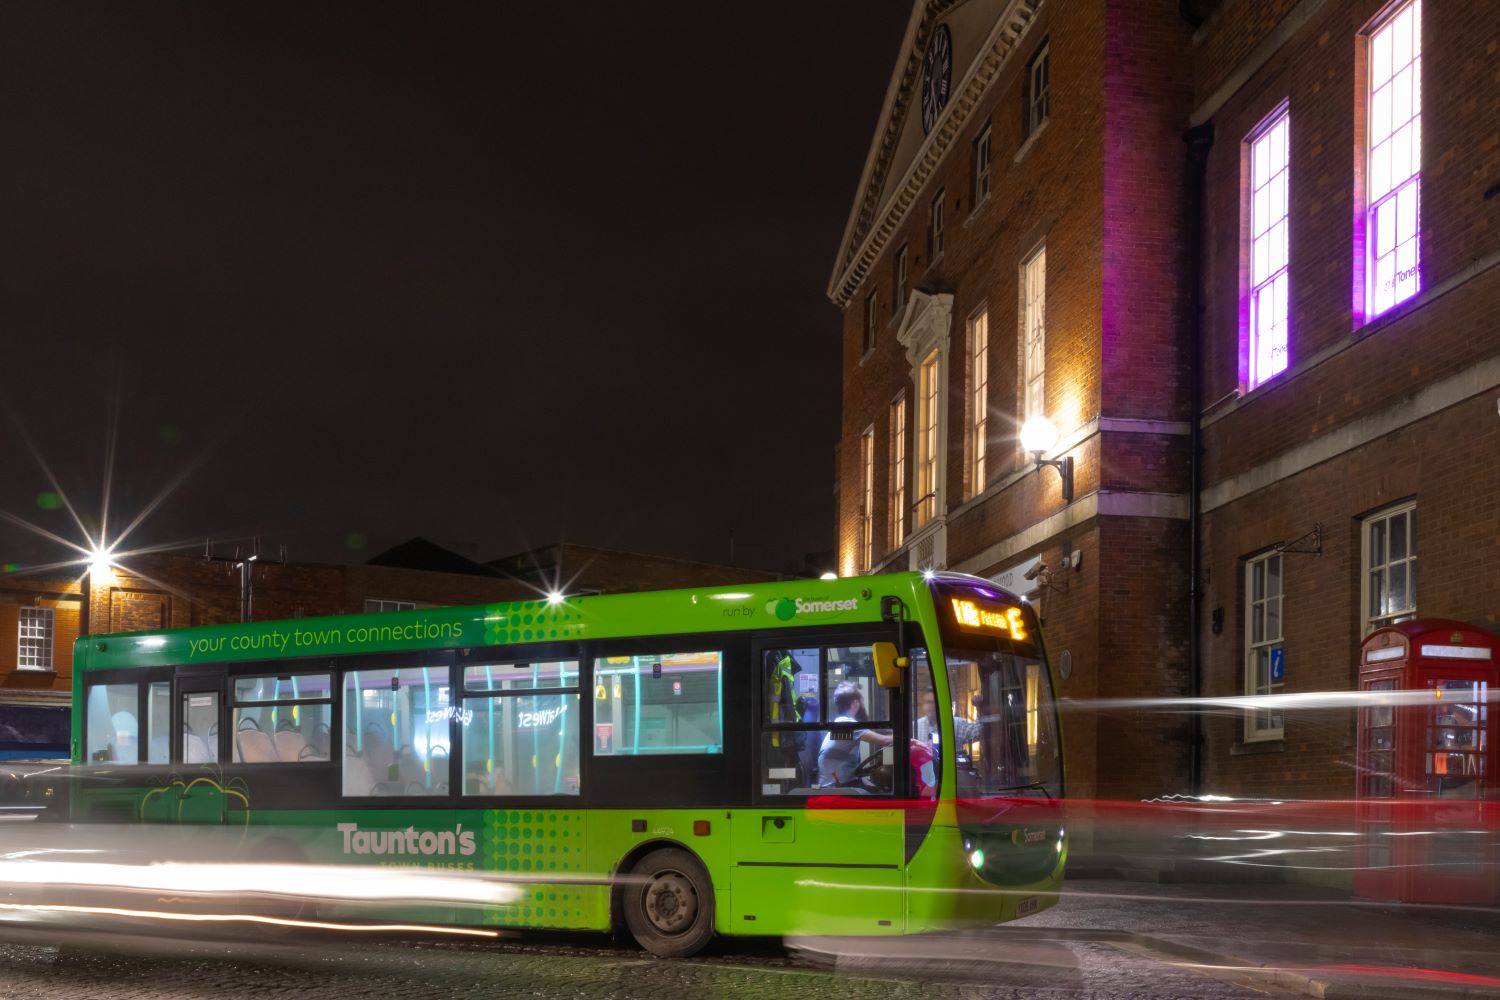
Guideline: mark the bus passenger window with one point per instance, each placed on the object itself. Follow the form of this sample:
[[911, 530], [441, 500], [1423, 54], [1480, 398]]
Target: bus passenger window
[[396, 731], [282, 719], [520, 729], [113, 724], [925, 752], [668, 703]]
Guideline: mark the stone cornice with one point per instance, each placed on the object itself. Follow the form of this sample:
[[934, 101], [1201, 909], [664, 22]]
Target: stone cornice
[[872, 222]]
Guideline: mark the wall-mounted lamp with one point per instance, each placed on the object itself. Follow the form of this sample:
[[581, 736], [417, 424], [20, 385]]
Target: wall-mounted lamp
[[1037, 436]]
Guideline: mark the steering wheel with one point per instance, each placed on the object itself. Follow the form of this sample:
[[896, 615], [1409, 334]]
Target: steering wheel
[[872, 774]]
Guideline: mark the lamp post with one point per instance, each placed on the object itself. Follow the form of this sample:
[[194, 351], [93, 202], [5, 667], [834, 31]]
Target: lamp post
[[1038, 436]]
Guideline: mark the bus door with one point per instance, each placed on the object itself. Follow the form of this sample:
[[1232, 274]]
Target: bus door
[[824, 848], [198, 793]]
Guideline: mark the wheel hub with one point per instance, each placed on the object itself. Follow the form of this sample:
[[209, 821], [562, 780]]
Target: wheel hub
[[671, 902]]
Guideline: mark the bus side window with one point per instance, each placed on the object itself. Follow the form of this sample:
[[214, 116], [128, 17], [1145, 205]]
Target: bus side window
[[926, 752], [113, 726]]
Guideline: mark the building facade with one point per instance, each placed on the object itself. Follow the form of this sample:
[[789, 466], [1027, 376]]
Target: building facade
[[1187, 236]]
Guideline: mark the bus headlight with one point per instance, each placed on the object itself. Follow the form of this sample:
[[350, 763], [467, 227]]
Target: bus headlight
[[976, 858]]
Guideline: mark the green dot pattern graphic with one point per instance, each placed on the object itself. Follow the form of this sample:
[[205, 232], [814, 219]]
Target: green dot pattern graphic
[[531, 621], [531, 843]]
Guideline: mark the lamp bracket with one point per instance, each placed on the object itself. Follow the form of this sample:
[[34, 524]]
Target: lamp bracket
[[1310, 543]]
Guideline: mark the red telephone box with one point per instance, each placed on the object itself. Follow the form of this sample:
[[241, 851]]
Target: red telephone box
[[1425, 791]]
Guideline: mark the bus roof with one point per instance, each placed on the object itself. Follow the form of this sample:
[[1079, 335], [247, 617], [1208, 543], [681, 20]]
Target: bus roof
[[781, 604]]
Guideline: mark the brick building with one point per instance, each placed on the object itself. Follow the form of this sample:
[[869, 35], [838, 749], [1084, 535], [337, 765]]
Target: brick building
[[1094, 212]]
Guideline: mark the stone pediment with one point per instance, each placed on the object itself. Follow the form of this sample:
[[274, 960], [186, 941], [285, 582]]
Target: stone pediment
[[903, 154]]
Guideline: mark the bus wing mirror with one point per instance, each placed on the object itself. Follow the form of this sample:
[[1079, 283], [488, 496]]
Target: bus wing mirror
[[888, 664]]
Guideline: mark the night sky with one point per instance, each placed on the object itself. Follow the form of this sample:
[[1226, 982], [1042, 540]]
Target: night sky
[[490, 273]]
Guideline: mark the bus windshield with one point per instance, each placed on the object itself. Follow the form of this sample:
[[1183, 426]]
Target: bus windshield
[[1004, 714], [1004, 725]]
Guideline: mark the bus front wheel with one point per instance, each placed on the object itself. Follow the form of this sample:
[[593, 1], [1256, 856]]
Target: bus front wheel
[[669, 903]]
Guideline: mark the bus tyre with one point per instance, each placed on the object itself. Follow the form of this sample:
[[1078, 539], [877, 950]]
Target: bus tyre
[[669, 904]]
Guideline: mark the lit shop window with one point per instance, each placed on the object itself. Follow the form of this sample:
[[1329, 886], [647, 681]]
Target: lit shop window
[[1393, 220], [1269, 157]]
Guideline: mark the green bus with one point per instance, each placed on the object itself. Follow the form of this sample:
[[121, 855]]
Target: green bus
[[864, 756]]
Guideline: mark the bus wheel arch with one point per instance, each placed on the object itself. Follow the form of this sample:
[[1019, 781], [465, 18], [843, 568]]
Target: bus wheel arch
[[663, 896]]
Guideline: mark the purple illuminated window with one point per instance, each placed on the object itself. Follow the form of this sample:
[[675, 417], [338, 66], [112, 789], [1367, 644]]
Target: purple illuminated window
[[1269, 157], [1393, 217]]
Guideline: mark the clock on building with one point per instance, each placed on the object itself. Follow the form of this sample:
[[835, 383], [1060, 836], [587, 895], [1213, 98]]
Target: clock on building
[[937, 72]]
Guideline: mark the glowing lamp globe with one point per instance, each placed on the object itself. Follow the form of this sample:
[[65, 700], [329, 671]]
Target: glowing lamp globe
[[1038, 435], [99, 565]]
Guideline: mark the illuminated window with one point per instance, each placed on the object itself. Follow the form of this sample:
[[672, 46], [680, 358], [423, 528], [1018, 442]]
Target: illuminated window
[[282, 719], [1036, 90], [979, 398], [1394, 175], [111, 724], [520, 728], [870, 310], [935, 228], [1390, 567], [867, 499], [1264, 657], [982, 166], [898, 295], [396, 731], [1269, 156], [374, 606], [898, 472], [659, 704], [927, 439], [1034, 335], [35, 647]]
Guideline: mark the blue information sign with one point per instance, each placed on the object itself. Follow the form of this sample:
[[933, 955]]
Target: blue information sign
[[1278, 664]]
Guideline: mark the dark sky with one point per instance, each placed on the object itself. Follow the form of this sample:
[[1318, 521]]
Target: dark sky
[[490, 273]]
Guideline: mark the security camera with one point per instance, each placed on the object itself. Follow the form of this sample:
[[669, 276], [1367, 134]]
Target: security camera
[[1036, 571]]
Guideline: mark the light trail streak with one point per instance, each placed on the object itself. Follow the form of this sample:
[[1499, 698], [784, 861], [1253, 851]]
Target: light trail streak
[[249, 918]]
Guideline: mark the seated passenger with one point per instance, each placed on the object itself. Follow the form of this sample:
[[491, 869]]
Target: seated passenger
[[837, 758]]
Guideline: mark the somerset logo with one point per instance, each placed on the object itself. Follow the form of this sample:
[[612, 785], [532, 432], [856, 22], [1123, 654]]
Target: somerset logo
[[787, 608], [384, 843]]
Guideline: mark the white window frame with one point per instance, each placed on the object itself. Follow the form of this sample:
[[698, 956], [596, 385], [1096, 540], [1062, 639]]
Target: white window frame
[[867, 499], [1034, 335], [898, 471], [982, 155], [977, 358], [1037, 72], [924, 508], [1393, 174], [935, 229], [37, 628], [1268, 226], [1262, 608], [379, 606], [1376, 565], [900, 272]]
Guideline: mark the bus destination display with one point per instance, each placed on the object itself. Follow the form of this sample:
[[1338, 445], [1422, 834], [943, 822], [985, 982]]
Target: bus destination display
[[989, 619]]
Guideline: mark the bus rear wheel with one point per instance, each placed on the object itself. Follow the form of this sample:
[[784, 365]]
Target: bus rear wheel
[[669, 904]]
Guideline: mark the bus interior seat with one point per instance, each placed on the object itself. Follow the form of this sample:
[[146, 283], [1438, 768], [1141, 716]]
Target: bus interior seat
[[255, 747], [195, 749], [290, 744], [358, 779]]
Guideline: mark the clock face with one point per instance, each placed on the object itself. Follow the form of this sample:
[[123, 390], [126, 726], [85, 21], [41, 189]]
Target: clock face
[[937, 72]]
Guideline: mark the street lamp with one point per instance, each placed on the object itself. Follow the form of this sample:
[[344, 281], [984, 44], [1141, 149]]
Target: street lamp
[[1038, 435], [99, 565]]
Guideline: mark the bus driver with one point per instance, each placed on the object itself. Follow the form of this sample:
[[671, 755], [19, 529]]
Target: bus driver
[[837, 758]]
